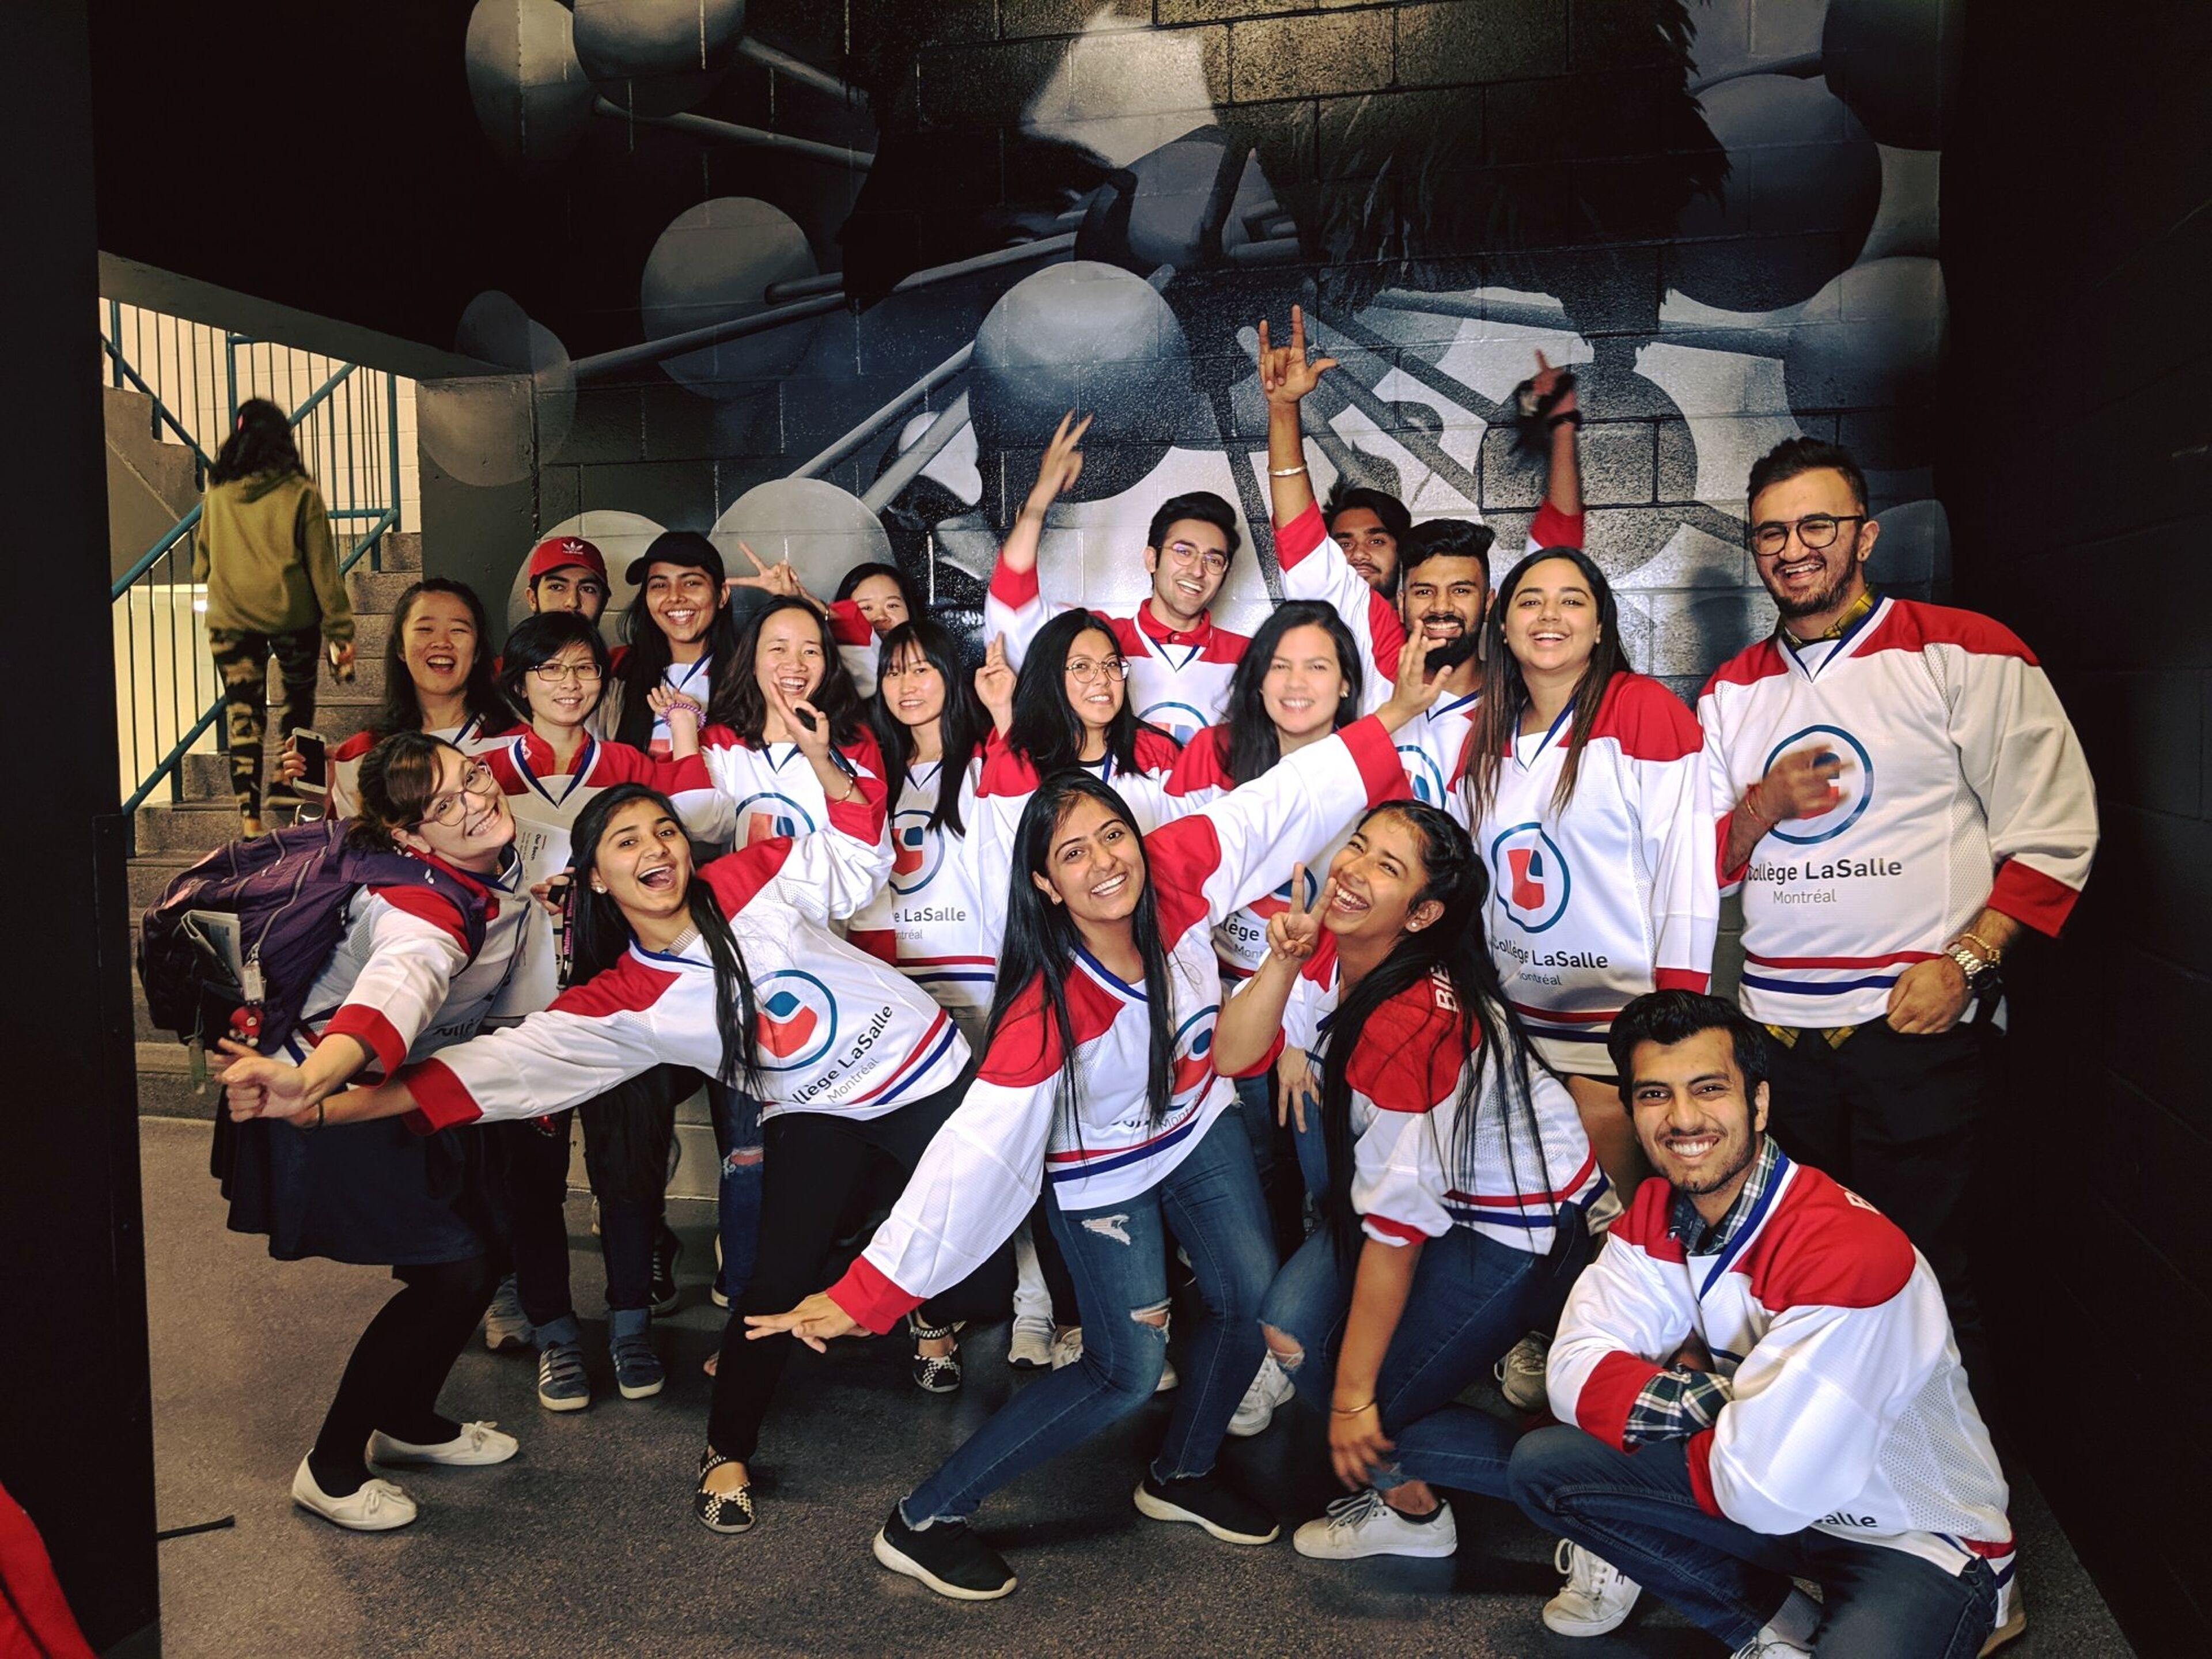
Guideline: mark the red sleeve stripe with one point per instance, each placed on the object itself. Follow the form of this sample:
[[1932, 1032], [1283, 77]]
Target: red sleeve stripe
[[1525, 1200], [847, 625], [1014, 588], [871, 1298], [369, 1027], [1552, 528], [1721, 833], [1609, 1394], [1265, 1063], [1294, 541], [881, 943], [1700, 1456], [1380, 768], [425, 904], [1397, 1230], [440, 1099], [2029, 896], [859, 817], [1680, 979]]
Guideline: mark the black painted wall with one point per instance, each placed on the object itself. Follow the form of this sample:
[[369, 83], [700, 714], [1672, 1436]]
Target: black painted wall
[[2077, 195]]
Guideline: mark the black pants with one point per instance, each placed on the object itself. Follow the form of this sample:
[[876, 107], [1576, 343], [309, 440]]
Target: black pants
[[1897, 1120], [242, 658], [528, 1187], [814, 1166], [401, 1362]]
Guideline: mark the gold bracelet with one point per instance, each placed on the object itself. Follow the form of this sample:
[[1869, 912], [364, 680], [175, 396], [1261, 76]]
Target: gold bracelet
[[1357, 1411], [1287, 472], [1991, 954]]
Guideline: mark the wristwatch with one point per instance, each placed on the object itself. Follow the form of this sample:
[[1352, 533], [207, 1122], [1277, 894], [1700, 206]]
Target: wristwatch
[[1976, 968]]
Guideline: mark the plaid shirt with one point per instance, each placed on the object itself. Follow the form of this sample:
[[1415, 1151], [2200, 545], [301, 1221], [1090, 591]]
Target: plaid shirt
[[1679, 1401]]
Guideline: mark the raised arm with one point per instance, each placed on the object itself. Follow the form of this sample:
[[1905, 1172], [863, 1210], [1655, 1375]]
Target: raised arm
[[1286, 378], [1013, 606]]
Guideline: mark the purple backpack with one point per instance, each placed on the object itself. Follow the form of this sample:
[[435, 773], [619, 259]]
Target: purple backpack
[[288, 891]]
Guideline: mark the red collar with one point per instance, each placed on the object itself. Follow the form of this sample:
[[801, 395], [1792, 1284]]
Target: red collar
[[539, 755], [1154, 628]]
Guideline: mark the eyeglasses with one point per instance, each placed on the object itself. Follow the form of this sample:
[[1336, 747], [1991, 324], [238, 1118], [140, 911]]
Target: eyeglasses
[[450, 808], [1815, 531], [1082, 670], [1210, 560], [584, 673]]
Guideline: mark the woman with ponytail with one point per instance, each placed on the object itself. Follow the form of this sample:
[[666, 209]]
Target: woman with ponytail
[[732, 970], [1457, 1174]]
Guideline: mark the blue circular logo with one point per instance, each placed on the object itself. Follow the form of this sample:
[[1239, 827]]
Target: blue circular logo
[[766, 815], [1424, 774], [1193, 1051], [795, 1020], [916, 854], [1179, 720], [1854, 784], [1530, 876]]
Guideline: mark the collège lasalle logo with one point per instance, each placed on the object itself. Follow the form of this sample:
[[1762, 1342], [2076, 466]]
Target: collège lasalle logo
[[1193, 1052], [796, 1018], [765, 816], [1531, 877], [914, 856], [1854, 784], [1178, 720]]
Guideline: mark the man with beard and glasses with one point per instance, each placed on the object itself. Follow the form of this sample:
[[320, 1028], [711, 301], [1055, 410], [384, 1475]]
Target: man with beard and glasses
[[1755, 1383], [1903, 797]]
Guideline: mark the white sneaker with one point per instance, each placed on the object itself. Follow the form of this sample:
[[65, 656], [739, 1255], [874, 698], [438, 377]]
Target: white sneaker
[[1767, 1645], [505, 1325], [1029, 1349], [1067, 1346], [1363, 1524], [1269, 1389], [477, 1443], [1597, 1596], [379, 1506], [1521, 1374]]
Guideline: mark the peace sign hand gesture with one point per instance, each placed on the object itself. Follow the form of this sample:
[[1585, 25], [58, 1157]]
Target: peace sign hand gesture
[[1286, 376], [1062, 464], [1295, 930], [780, 581], [1416, 689], [995, 683]]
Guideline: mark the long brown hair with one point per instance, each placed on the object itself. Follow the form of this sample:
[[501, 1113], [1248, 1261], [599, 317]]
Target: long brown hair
[[399, 782], [1505, 694]]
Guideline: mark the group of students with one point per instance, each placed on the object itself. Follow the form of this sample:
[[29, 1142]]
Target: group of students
[[1349, 977]]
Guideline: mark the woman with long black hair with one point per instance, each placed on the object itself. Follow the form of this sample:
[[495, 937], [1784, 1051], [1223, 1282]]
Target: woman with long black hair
[[678, 633], [1589, 806], [1098, 1083], [438, 678], [732, 969], [412, 972], [1457, 1171]]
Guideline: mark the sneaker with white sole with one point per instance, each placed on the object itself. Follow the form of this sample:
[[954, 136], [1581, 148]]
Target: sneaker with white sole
[[1521, 1374], [477, 1443], [946, 1556], [378, 1506], [1209, 1502], [1767, 1645], [563, 1385], [638, 1373], [1597, 1596], [1269, 1389], [506, 1325], [1029, 1347], [1363, 1524], [1067, 1346]]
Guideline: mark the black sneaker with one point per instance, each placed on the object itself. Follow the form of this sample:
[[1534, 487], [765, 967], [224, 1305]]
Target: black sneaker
[[935, 1373], [947, 1557], [1205, 1500], [665, 1249], [718, 1511]]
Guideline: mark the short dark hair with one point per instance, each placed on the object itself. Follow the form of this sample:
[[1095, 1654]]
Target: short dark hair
[[1380, 502], [1200, 504], [1446, 538], [1795, 456], [537, 640], [1668, 1017]]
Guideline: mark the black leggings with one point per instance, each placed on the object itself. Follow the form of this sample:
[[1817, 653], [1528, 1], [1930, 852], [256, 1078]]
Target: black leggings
[[814, 1165], [401, 1362]]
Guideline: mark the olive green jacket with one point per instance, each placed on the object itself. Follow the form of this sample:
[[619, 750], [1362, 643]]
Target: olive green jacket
[[264, 550]]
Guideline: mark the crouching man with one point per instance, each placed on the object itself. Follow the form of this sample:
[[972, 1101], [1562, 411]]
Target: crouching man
[[1758, 1382]]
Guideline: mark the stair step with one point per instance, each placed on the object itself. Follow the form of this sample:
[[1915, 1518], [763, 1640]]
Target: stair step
[[371, 628], [403, 550], [379, 590], [188, 826], [150, 878]]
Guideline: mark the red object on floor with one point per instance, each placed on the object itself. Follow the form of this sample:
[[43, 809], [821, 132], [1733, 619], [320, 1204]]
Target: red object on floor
[[35, 1622]]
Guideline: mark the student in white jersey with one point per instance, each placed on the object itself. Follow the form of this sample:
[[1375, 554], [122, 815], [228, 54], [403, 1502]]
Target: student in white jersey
[[554, 668], [1586, 792], [678, 632], [732, 969], [1456, 1172], [402, 981], [438, 678], [1179, 660], [1097, 1082], [1905, 799], [1756, 1383], [871, 601]]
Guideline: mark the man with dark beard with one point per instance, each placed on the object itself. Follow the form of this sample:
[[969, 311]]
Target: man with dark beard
[[1905, 798]]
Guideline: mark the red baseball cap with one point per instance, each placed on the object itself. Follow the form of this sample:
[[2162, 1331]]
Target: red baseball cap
[[560, 552]]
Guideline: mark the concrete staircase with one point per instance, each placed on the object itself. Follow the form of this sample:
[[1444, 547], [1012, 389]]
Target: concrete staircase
[[151, 484]]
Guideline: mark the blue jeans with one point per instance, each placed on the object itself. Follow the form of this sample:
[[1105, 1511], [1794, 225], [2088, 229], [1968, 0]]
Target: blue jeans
[[1638, 1512], [1118, 1257], [1472, 1299], [738, 1196]]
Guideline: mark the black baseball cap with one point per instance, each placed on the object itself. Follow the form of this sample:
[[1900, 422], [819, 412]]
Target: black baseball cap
[[687, 548]]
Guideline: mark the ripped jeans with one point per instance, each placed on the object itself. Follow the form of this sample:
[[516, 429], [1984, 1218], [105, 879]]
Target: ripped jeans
[[1118, 1257]]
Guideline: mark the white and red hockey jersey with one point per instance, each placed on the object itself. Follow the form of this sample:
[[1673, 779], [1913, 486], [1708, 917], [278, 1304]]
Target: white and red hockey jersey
[[1409, 1182], [473, 736], [1239, 942], [695, 679], [400, 980], [773, 791], [982, 1173], [1433, 746], [929, 921], [835, 1030], [546, 804], [1178, 679], [1848, 1409], [857, 645], [1591, 908], [1964, 786]]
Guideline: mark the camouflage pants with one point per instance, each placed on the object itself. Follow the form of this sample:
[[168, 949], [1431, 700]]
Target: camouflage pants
[[242, 658]]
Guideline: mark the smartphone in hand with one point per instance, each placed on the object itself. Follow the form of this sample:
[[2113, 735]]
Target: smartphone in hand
[[315, 755]]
